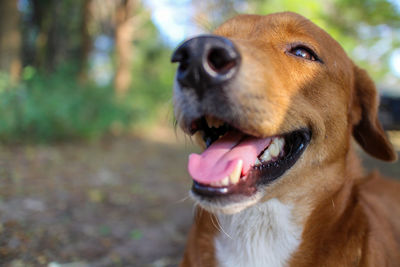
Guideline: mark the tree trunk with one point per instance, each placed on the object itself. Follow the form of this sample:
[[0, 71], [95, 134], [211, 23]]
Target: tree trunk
[[10, 39], [123, 45], [42, 12], [86, 40], [53, 38]]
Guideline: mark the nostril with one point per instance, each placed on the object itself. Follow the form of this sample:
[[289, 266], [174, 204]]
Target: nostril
[[181, 56], [184, 62], [220, 61]]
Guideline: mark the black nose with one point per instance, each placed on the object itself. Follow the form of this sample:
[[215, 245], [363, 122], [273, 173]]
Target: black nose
[[206, 61]]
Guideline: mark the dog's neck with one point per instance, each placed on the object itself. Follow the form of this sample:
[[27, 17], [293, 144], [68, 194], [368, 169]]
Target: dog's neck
[[321, 183], [268, 233], [263, 235]]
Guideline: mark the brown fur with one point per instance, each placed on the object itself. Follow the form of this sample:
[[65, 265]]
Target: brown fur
[[348, 219], [199, 252]]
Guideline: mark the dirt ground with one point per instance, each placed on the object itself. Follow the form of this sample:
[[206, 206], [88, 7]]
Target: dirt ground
[[116, 202]]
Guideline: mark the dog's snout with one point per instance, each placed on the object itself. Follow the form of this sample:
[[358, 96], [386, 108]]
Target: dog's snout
[[206, 61]]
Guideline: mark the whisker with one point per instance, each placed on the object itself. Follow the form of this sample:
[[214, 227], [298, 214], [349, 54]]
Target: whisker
[[195, 211], [215, 225], [222, 229], [219, 227], [182, 200]]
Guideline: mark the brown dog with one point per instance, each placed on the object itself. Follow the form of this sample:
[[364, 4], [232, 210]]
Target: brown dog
[[277, 102]]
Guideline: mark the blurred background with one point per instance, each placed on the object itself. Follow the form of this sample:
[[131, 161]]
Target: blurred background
[[92, 172]]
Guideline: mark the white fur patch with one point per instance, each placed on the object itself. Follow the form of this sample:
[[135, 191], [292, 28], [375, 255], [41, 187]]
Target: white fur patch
[[262, 235]]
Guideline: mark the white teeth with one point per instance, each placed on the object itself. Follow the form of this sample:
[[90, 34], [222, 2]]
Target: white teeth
[[232, 179], [281, 143], [235, 175], [209, 121], [213, 122], [225, 181], [272, 151], [218, 123], [266, 156]]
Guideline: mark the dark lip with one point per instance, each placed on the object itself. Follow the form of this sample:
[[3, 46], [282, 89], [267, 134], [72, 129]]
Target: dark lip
[[295, 144]]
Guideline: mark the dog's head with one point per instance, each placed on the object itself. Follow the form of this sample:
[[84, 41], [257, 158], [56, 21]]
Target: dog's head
[[275, 101]]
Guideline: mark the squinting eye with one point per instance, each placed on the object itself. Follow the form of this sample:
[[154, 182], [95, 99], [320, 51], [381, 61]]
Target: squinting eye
[[303, 53]]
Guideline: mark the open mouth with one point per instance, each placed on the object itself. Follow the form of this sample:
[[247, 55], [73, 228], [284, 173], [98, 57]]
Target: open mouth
[[237, 163]]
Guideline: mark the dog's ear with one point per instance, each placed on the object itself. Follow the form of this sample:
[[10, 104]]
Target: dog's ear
[[367, 129]]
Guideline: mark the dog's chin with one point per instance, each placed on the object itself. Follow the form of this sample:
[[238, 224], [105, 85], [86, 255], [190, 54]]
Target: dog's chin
[[230, 205]]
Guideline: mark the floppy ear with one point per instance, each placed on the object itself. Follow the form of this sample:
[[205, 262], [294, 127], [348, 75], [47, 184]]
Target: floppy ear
[[367, 129]]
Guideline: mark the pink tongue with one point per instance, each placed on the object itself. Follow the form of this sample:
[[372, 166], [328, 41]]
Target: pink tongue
[[221, 158]]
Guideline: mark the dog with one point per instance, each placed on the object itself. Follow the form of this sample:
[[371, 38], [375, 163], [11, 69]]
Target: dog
[[276, 103]]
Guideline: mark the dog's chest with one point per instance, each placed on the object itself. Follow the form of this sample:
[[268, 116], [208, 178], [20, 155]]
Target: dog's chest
[[264, 235]]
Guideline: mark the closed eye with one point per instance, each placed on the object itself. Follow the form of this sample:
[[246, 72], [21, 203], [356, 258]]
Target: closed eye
[[304, 52]]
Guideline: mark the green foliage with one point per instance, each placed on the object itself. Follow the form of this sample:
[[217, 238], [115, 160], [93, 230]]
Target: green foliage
[[153, 75], [49, 108], [53, 106], [374, 12]]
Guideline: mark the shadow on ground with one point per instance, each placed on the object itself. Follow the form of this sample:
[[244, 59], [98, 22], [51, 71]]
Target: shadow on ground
[[118, 202]]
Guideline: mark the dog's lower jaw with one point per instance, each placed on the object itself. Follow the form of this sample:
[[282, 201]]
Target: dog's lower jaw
[[218, 207], [262, 235]]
